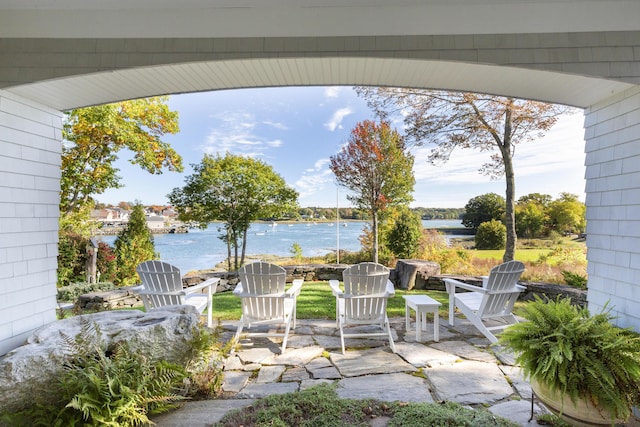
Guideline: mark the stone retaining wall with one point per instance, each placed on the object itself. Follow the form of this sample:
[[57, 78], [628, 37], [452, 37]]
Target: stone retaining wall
[[126, 298]]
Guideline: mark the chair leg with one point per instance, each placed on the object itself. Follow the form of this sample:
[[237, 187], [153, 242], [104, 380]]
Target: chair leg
[[452, 309], [295, 316], [286, 336], [391, 343], [342, 338], [477, 322], [236, 338], [210, 312]]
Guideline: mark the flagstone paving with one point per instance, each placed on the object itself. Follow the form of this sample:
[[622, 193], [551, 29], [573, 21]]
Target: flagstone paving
[[462, 367]]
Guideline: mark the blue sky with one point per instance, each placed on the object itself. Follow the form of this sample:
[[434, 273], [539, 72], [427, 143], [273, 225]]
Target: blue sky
[[297, 129]]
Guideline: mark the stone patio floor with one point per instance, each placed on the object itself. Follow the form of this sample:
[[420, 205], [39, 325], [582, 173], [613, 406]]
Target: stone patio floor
[[462, 367]]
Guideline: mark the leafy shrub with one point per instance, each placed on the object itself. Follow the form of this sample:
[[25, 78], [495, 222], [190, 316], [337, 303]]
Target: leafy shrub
[[72, 258], [574, 279], [404, 237], [205, 367], [296, 251], [106, 263], [491, 235], [71, 292]]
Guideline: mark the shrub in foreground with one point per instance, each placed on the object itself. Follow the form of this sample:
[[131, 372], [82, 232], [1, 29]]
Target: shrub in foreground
[[113, 385]]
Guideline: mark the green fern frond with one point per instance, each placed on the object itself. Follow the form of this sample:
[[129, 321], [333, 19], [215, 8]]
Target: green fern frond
[[578, 354]]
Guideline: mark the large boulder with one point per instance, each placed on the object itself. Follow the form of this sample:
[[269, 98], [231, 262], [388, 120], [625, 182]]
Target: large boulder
[[162, 334], [415, 273]]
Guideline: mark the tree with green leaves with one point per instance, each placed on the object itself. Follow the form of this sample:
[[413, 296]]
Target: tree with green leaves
[[235, 190], [530, 220], [531, 215], [568, 214], [377, 168], [133, 245], [483, 208], [94, 136], [404, 237], [451, 120]]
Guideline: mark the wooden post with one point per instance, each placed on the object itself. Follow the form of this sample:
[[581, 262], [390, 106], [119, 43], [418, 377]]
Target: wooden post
[[92, 260]]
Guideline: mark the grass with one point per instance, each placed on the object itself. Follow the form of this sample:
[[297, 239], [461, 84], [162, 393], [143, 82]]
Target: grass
[[317, 302], [320, 406]]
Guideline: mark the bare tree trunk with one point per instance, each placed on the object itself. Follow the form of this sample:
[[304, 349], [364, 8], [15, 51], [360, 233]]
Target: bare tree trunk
[[228, 248], [235, 249], [510, 220], [244, 245], [374, 230]]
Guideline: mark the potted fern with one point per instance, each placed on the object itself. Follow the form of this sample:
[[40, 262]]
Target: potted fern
[[582, 367]]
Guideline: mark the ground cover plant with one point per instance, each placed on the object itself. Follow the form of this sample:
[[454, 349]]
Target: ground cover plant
[[320, 406]]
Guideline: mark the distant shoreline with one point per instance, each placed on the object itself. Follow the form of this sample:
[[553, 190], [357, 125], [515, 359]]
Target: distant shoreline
[[180, 227]]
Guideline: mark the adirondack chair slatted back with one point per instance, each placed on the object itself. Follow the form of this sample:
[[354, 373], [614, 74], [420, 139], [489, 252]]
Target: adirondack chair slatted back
[[160, 276], [364, 286], [500, 284], [267, 282]]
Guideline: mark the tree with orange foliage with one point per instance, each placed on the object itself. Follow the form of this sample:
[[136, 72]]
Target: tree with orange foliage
[[450, 120], [376, 167]]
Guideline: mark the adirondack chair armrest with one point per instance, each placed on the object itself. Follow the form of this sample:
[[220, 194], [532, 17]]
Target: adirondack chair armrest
[[238, 289], [452, 284], [335, 287], [382, 295], [207, 283], [146, 292], [391, 289], [248, 295], [137, 288], [295, 288]]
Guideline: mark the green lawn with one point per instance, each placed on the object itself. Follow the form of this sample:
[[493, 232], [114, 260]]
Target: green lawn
[[317, 302]]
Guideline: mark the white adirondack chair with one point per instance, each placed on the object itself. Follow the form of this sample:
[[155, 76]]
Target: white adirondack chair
[[162, 285], [265, 301], [363, 301], [492, 302]]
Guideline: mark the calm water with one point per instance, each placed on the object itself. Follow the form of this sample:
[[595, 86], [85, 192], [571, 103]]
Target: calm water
[[201, 249]]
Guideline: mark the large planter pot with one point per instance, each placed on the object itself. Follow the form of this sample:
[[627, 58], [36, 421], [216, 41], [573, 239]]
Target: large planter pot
[[582, 413]]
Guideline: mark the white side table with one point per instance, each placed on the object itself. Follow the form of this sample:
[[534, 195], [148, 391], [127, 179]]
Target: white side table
[[422, 304]]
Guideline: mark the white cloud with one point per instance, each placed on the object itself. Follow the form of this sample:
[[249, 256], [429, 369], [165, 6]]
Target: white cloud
[[314, 180], [332, 91], [277, 125], [336, 120], [236, 132]]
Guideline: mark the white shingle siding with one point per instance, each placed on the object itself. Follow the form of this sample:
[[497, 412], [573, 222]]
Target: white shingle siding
[[30, 138], [613, 206]]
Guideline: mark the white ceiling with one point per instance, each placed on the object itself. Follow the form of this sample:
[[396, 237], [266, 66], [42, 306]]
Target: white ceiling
[[63, 94], [122, 19]]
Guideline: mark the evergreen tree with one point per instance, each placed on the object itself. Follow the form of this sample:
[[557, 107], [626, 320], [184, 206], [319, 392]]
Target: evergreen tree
[[133, 245], [404, 237]]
